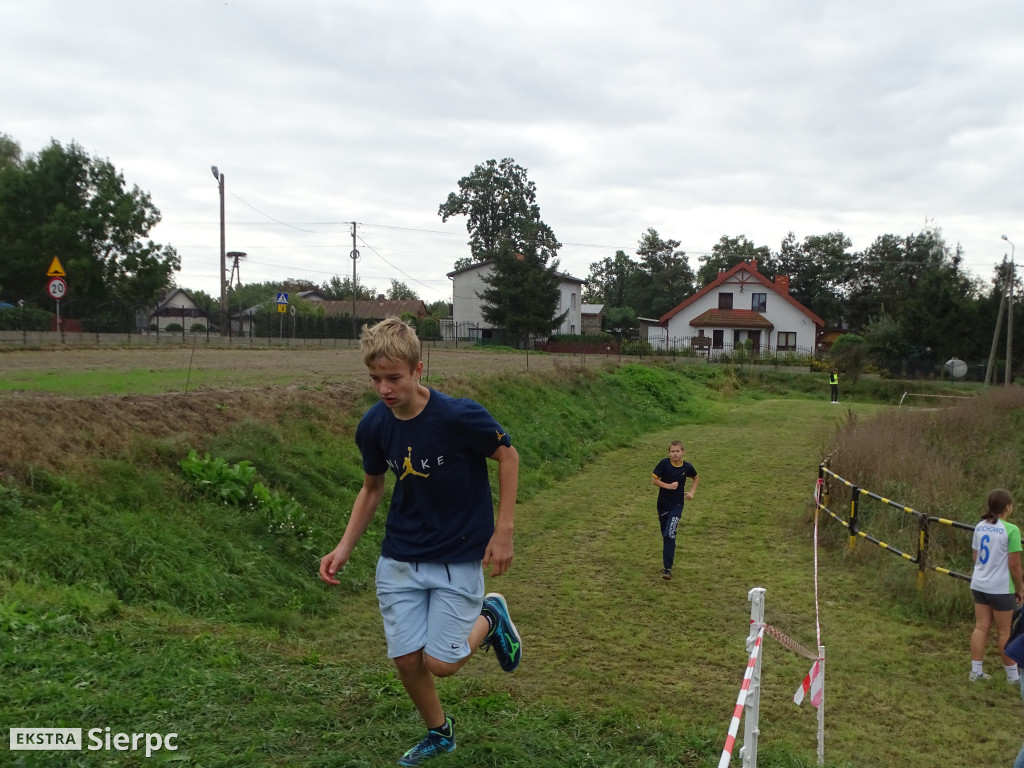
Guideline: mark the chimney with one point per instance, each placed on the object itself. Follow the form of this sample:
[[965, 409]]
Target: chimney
[[782, 283]]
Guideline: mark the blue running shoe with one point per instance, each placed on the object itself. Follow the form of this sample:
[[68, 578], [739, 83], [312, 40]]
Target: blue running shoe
[[503, 637], [435, 743]]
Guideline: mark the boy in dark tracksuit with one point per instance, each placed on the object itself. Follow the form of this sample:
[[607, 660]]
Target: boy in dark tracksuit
[[670, 476]]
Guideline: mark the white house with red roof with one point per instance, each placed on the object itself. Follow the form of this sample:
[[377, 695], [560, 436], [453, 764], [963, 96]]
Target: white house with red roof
[[739, 305]]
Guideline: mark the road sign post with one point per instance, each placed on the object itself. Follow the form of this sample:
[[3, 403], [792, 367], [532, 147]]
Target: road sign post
[[57, 287], [282, 308]]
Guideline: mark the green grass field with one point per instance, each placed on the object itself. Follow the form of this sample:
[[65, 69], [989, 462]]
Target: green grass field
[[131, 600]]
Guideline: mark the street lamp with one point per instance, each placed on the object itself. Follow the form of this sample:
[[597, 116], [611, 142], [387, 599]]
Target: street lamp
[[223, 288], [1009, 312]]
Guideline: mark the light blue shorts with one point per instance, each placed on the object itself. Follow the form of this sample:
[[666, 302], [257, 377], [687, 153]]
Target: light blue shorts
[[432, 606]]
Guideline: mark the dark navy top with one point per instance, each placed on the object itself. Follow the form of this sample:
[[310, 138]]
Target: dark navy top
[[441, 508], [670, 474]]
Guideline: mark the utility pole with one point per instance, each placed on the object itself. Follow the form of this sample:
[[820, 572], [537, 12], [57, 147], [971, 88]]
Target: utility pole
[[1009, 316], [223, 256], [235, 270], [355, 258], [995, 340]]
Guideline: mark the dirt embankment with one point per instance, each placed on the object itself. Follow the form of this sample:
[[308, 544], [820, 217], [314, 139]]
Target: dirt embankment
[[57, 433]]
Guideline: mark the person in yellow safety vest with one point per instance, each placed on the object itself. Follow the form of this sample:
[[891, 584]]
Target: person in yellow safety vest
[[833, 380]]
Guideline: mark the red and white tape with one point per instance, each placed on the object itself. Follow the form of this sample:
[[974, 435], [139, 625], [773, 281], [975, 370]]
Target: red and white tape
[[741, 700]]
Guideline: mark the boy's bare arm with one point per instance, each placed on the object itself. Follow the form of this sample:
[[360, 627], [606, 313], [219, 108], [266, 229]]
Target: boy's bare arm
[[693, 488], [363, 510], [657, 481], [499, 549]]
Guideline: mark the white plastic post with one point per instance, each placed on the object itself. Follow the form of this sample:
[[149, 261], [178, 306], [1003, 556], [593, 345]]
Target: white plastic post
[[821, 709], [748, 752]]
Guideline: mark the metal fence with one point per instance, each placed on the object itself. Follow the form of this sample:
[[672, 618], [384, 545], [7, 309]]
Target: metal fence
[[923, 521]]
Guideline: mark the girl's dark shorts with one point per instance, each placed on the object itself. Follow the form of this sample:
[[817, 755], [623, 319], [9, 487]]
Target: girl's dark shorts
[[996, 602]]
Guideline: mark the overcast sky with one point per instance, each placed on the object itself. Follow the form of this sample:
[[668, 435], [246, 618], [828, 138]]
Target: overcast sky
[[755, 118]]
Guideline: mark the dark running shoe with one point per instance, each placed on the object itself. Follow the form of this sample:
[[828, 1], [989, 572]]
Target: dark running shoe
[[666, 574], [435, 743], [503, 637]]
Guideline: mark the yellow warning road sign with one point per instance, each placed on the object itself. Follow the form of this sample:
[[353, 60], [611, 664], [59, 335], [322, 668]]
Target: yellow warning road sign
[[282, 307], [56, 270]]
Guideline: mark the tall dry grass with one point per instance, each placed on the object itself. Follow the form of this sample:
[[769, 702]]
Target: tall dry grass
[[941, 460]]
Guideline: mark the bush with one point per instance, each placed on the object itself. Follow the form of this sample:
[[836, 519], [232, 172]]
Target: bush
[[173, 328], [637, 348], [197, 328], [849, 353], [25, 318], [429, 330]]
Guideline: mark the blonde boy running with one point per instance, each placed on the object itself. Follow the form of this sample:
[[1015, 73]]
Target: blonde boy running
[[440, 532]]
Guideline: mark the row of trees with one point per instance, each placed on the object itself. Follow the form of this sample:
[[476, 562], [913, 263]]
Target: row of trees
[[62, 202]]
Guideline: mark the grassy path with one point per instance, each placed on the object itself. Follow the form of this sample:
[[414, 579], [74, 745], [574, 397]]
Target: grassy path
[[605, 636], [605, 633]]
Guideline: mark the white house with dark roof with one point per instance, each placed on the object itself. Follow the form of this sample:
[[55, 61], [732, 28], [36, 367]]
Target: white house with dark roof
[[177, 308], [467, 313], [740, 305]]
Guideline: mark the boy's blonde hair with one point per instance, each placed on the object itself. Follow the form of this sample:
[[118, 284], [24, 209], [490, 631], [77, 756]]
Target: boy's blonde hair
[[392, 339], [675, 443]]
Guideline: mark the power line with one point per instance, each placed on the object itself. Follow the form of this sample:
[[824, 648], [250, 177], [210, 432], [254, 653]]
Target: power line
[[261, 213], [392, 265]]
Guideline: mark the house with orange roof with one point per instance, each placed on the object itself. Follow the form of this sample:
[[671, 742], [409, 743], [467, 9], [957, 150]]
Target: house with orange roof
[[738, 306]]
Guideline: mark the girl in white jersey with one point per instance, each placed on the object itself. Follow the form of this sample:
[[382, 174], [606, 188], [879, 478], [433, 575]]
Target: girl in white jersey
[[996, 583]]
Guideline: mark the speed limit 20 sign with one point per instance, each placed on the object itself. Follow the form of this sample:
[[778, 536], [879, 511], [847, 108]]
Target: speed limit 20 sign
[[57, 288]]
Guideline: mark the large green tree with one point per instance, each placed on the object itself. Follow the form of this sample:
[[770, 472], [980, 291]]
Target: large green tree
[[664, 277], [10, 151], [919, 282], [63, 203], [819, 269], [500, 204], [340, 289], [399, 291], [730, 251], [611, 280], [505, 229]]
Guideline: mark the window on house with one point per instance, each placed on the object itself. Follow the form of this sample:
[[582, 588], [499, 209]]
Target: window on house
[[759, 302], [725, 301], [572, 300], [737, 338], [718, 337], [559, 305], [572, 329], [786, 341]]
